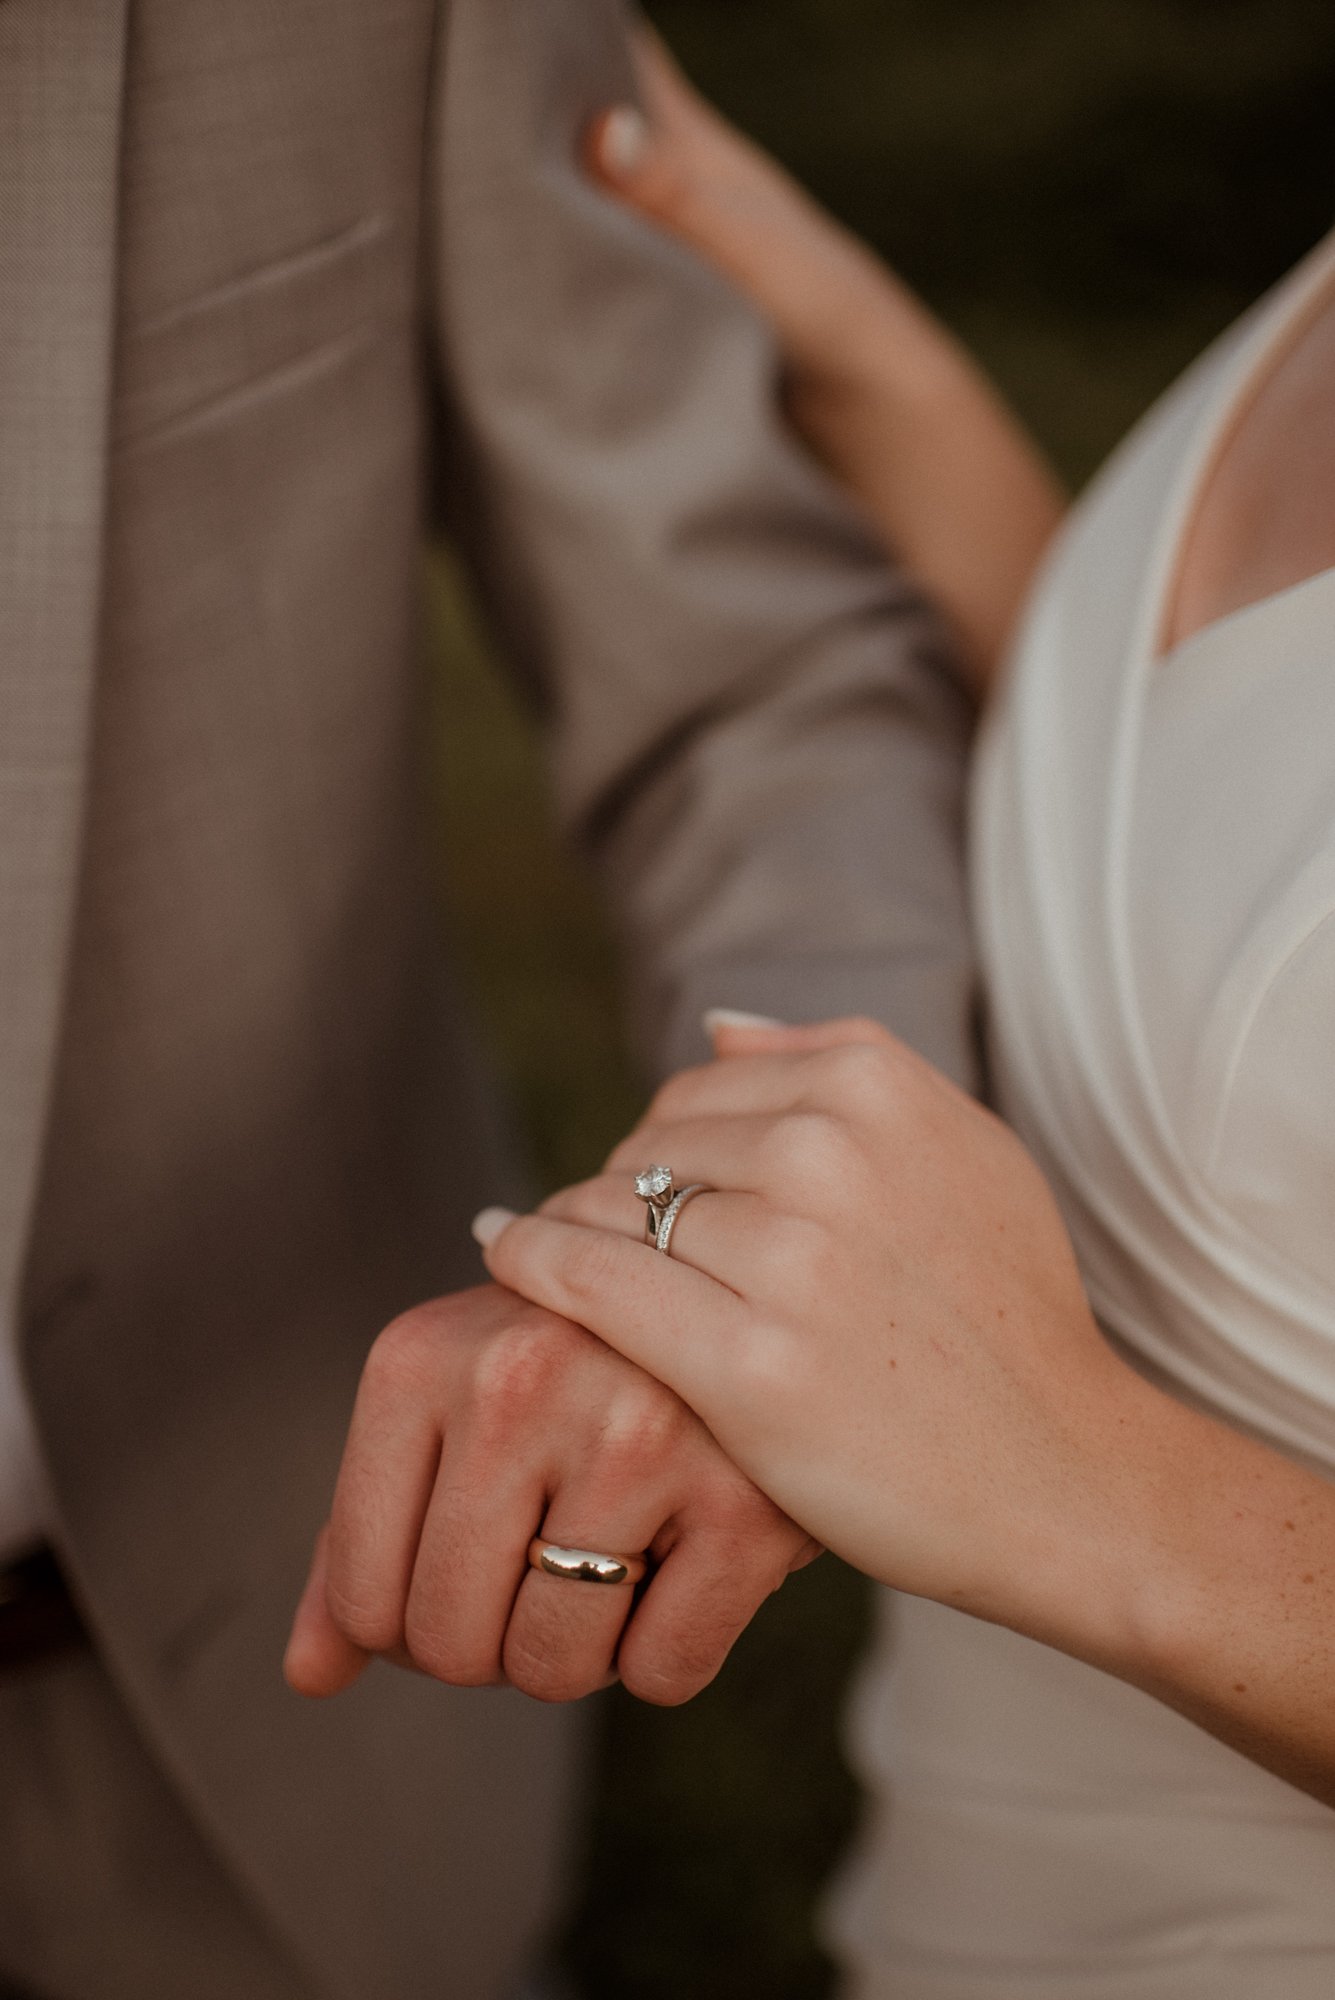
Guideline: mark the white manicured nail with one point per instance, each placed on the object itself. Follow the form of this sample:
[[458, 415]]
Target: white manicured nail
[[491, 1223], [730, 1017], [623, 141]]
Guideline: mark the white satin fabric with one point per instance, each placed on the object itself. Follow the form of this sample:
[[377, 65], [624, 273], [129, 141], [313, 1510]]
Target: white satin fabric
[[1154, 867]]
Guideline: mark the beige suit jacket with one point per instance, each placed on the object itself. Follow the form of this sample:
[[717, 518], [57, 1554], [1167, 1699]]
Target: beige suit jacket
[[276, 281]]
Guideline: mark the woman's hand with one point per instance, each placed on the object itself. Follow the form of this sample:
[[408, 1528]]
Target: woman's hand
[[686, 168], [879, 1317], [882, 394], [877, 1314]]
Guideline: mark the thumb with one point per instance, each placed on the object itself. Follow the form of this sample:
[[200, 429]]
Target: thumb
[[320, 1660]]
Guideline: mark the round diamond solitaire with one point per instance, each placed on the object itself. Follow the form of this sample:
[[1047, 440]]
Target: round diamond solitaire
[[655, 1189]]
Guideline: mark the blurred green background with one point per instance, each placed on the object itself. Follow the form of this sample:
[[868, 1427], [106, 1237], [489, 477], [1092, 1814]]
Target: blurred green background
[[1087, 190]]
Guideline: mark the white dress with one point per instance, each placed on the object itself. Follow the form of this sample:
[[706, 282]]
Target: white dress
[[1154, 867]]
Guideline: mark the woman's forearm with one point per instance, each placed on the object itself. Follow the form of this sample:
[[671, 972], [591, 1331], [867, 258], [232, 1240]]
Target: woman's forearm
[[1213, 1587], [880, 390], [902, 416]]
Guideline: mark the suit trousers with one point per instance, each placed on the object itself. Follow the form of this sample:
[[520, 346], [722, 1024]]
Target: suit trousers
[[108, 1891]]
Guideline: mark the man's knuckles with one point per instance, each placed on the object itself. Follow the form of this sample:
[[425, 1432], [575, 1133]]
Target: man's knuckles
[[437, 1648], [363, 1608], [404, 1360], [644, 1432], [667, 1670], [743, 1543], [518, 1371], [540, 1661]]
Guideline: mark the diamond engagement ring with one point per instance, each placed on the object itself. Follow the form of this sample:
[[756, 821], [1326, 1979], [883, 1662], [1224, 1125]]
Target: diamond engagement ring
[[664, 1203], [584, 1565], [654, 1188]]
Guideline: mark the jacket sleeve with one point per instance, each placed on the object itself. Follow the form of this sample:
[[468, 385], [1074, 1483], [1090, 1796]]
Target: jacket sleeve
[[752, 721]]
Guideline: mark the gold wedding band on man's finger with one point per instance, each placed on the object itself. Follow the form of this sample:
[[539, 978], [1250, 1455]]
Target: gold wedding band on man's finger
[[585, 1565]]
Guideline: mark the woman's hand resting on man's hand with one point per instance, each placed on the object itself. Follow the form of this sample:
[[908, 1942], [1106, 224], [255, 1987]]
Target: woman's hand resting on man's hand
[[878, 1315]]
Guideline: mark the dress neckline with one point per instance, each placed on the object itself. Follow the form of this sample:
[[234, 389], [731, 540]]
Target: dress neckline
[[1296, 597], [1220, 379], [1247, 369]]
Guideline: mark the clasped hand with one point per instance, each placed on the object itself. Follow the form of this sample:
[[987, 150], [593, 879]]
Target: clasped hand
[[877, 1314], [482, 1420]]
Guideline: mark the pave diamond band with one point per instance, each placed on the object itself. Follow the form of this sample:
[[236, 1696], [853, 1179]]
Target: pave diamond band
[[663, 1237]]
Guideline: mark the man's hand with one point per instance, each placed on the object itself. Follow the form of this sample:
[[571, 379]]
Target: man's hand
[[481, 1421]]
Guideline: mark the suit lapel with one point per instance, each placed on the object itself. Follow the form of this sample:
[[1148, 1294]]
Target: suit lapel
[[61, 72]]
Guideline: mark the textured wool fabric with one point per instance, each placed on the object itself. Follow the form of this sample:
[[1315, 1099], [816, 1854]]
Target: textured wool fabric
[[275, 283]]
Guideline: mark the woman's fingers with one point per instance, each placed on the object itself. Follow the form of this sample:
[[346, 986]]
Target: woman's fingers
[[671, 1320], [739, 1153], [659, 157], [681, 164], [730, 1237], [735, 1036], [765, 1067], [607, 1202], [748, 1082]]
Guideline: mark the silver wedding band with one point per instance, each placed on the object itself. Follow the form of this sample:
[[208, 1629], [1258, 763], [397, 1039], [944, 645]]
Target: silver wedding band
[[584, 1565], [668, 1221], [664, 1202]]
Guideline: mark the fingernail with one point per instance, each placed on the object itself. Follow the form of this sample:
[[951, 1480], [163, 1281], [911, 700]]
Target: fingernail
[[622, 141], [491, 1223], [730, 1017]]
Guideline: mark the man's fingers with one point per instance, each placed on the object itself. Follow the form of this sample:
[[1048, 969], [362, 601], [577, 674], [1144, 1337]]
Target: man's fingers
[[320, 1661], [563, 1637], [470, 1564], [384, 1487], [659, 1312], [699, 1603]]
